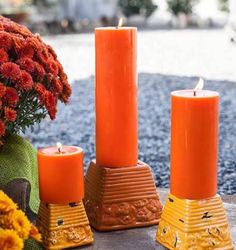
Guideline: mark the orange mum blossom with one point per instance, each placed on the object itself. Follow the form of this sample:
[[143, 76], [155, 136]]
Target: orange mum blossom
[[34, 233], [19, 222], [32, 79], [9, 240], [6, 204], [14, 225]]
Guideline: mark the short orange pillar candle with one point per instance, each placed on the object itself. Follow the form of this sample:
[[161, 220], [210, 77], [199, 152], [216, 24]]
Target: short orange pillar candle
[[194, 216], [116, 97], [61, 177], [194, 144]]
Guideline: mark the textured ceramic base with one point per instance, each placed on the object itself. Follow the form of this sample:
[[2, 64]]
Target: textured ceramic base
[[194, 224], [63, 226], [120, 198]]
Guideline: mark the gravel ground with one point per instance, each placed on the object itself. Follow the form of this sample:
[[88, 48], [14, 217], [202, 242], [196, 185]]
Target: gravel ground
[[75, 124]]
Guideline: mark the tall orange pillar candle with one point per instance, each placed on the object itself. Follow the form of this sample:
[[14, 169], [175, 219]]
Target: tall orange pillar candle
[[61, 178], [116, 97], [194, 144]]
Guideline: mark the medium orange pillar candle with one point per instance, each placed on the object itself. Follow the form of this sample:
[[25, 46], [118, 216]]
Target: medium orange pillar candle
[[61, 177], [194, 144], [116, 97]]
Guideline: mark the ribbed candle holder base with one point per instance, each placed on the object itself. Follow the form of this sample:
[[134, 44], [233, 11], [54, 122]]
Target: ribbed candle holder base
[[64, 226], [194, 224], [121, 198]]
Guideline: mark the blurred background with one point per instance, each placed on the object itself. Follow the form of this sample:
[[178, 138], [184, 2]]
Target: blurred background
[[178, 42], [171, 30], [76, 16]]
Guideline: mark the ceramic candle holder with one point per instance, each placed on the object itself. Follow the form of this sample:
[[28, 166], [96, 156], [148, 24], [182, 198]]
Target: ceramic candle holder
[[61, 222], [63, 226], [194, 224], [121, 198]]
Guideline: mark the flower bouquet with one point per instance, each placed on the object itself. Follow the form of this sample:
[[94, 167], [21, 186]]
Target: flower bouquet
[[15, 228], [32, 81]]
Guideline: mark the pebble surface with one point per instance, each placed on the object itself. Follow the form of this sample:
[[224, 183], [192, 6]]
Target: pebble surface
[[74, 124]]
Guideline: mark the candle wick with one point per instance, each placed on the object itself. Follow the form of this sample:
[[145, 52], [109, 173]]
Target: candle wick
[[194, 93], [59, 150]]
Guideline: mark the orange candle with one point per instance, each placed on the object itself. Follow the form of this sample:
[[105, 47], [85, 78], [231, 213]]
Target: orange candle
[[194, 144], [116, 97], [61, 177]]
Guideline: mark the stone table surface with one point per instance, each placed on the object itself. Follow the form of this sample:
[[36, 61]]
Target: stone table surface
[[144, 238]]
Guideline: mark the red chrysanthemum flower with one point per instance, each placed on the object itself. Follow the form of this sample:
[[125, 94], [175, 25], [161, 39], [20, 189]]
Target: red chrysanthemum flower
[[2, 90], [49, 78], [52, 67], [61, 73], [39, 71], [12, 27], [25, 81], [50, 103], [10, 114], [64, 97], [3, 56], [26, 64], [11, 97], [56, 86], [51, 51], [43, 56], [5, 41], [26, 51], [2, 128], [41, 91], [10, 70], [35, 42]]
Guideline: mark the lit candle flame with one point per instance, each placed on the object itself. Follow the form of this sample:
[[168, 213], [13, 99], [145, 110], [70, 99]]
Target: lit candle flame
[[120, 23], [200, 85], [59, 146]]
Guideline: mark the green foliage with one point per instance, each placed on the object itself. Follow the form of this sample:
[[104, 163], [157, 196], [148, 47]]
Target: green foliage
[[29, 112], [223, 5], [137, 7], [181, 6]]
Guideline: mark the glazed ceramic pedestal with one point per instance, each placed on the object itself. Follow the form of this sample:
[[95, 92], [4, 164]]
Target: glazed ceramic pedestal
[[194, 224], [63, 226], [121, 198]]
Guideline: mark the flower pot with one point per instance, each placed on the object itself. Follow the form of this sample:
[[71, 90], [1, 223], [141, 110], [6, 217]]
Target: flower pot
[[18, 168]]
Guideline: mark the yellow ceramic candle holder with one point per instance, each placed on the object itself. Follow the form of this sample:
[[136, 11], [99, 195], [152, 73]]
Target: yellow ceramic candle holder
[[63, 226], [194, 224], [121, 198]]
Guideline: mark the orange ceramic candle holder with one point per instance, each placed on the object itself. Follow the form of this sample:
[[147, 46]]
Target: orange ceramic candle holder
[[121, 198], [63, 226], [194, 216], [62, 219], [194, 224]]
